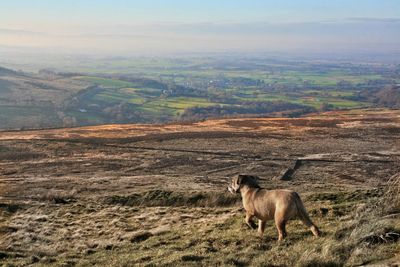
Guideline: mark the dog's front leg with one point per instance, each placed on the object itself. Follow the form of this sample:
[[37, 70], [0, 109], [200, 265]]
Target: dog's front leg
[[261, 228], [249, 221]]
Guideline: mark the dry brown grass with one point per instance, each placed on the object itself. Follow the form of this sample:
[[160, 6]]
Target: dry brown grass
[[58, 196], [177, 235], [345, 119], [391, 200], [20, 155], [159, 200], [361, 239]]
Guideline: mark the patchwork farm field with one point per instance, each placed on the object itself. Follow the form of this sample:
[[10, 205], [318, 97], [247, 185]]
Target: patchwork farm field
[[155, 195]]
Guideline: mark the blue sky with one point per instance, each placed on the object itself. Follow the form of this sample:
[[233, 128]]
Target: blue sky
[[191, 11], [206, 25]]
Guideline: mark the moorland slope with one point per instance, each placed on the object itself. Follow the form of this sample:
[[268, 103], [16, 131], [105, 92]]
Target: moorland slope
[[151, 195]]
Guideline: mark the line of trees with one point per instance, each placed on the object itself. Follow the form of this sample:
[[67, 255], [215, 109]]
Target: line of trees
[[250, 108]]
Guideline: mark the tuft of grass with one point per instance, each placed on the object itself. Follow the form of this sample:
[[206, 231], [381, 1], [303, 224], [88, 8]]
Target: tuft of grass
[[390, 202], [59, 196], [351, 243], [9, 207], [140, 236], [346, 197], [20, 155]]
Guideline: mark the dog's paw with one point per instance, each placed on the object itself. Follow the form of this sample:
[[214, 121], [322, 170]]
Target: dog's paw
[[252, 225]]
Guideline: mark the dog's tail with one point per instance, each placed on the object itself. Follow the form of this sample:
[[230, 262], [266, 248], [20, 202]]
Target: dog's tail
[[304, 217]]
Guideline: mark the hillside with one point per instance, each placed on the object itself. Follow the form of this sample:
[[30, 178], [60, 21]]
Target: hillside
[[123, 195], [388, 96], [35, 100], [6, 71]]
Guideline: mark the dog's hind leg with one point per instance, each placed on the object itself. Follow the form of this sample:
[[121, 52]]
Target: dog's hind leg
[[305, 218], [281, 227], [307, 222]]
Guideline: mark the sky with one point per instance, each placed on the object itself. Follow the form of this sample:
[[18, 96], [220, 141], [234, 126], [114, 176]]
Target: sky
[[173, 26]]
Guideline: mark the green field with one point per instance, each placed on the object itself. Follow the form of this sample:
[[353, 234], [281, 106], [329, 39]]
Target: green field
[[104, 81], [153, 102]]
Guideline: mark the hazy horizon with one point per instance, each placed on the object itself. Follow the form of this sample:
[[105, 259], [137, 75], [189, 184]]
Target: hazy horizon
[[133, 27]]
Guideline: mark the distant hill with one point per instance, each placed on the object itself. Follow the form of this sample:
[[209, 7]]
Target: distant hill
[[388, 96], [5, 71], [33, 100]]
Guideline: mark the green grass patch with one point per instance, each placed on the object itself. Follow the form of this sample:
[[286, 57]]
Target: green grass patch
[[105, 82]]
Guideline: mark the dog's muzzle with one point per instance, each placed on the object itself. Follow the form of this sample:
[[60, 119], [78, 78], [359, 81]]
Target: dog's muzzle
[[232, 190]]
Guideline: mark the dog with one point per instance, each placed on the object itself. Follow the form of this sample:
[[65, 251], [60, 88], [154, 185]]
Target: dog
[[263, 204]]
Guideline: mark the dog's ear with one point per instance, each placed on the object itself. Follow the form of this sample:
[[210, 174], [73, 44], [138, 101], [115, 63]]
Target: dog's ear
[[241, 178]]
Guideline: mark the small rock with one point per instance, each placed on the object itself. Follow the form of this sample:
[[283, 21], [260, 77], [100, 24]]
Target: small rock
[[90, 251], [3, 255], [109, 247], [140, 236], [192, 258], [41, 219], [34, 259]]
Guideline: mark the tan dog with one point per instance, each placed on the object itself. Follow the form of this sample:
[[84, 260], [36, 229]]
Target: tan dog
[[280, 205]]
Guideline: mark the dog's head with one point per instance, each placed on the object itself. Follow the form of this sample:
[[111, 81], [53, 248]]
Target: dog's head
[[240, 180]]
